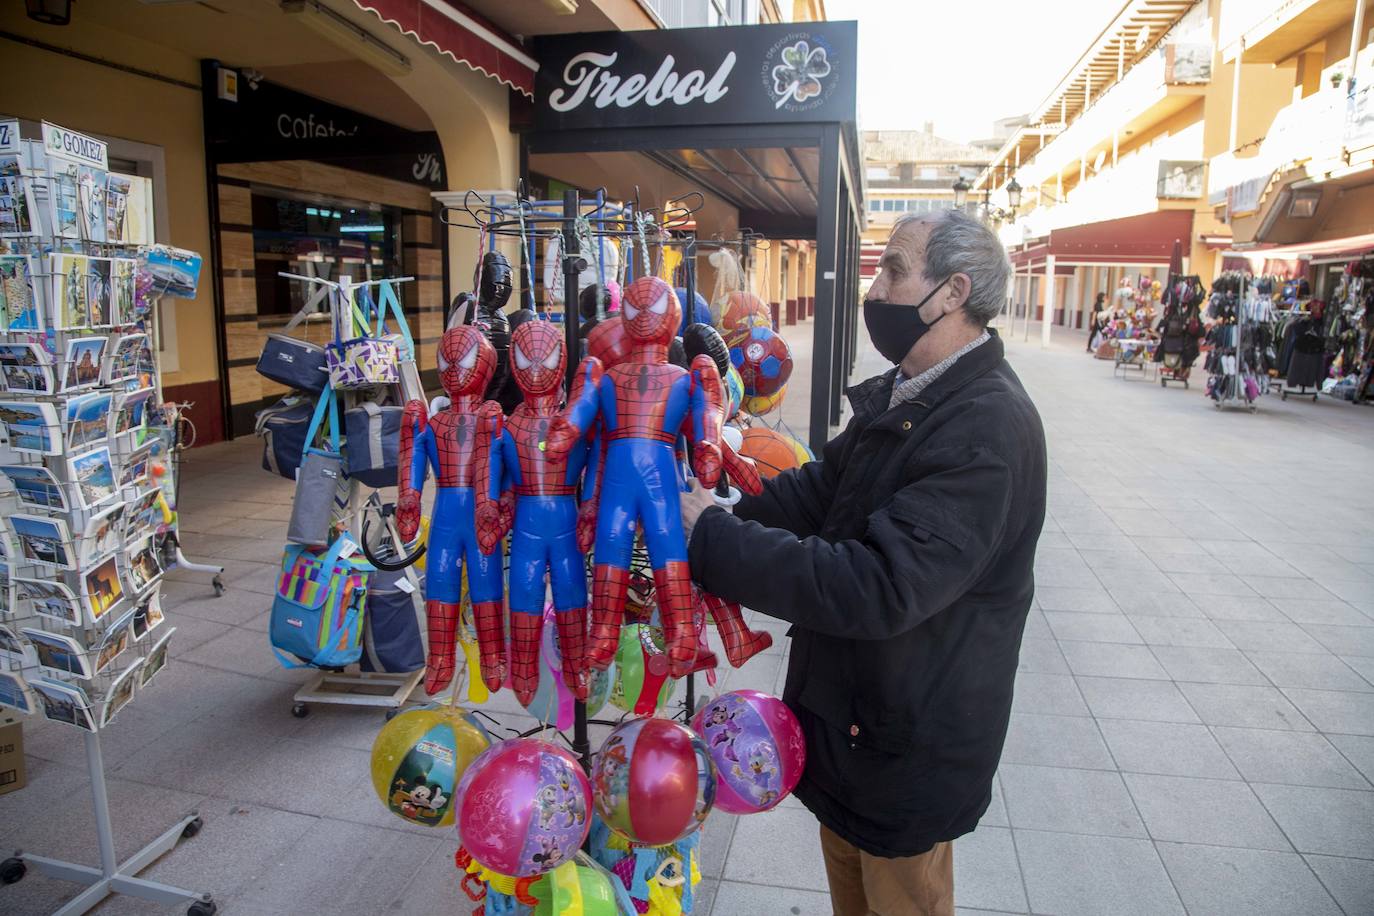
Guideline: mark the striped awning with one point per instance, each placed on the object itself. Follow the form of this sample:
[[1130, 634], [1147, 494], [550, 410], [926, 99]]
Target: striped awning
[[460, 35]]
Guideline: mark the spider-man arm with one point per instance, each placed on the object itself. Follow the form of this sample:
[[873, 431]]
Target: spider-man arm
[[591, 491], [707, 416], [575, 420], [488, 471], [415, 435]]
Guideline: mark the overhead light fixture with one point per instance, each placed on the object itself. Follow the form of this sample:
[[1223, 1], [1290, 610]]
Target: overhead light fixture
[[961, 189], [1013, 194], [348, 35], [49, 12], [363, 227]]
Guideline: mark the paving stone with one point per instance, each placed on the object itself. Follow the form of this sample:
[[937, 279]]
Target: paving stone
[[1049, 694], [1244, 705], [1191, 810], [738, 897], [1156, 604], [1092, 627], [1344, 640], [1359, 750], [1111, 659], [1062, 799], [1335, 710], [1041, 656], [1338, 822], [1321, 672], [780, 847], [1216, 880], [1295, 758], [1124, 698], [1181, 631], [1166, 748], [1092, 875], [986, 873], [1268, 636], [1350, 881], [1081, 600], [1236, 607], [1068, 741], [1210, 666], [1323, 609]]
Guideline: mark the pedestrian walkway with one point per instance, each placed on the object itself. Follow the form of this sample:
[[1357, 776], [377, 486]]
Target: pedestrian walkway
[[1193, 729]]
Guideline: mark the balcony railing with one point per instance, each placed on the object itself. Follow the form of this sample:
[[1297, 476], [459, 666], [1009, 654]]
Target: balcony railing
[[1314, 129], [1134, 186]]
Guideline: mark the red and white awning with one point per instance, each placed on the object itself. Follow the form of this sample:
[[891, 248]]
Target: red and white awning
[[461, 36]]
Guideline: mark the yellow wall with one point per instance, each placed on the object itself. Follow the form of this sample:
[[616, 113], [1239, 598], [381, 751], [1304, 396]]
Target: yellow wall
[[90, 98]]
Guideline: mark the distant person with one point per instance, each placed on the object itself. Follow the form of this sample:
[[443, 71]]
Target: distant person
[[1095, 325]]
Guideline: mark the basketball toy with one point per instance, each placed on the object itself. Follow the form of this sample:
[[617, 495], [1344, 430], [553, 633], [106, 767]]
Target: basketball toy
[[763, 358], [743, 309], [418, 758], [757, 747], [653, 781], [771, 451], [523, 807]]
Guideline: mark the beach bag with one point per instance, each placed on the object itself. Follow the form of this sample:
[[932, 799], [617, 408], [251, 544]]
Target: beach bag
[[372, 436], [283, 427], [317, 480], [292, 362], [367, 360], [319, 607], [394, 640]]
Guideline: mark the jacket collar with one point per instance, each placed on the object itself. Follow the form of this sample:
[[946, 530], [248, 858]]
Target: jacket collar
[[870, 398]]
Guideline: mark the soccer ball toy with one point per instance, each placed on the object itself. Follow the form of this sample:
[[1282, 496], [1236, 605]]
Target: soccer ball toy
[[654, 782], [418, 758], [522, 807], [756, 744], [763, 358]]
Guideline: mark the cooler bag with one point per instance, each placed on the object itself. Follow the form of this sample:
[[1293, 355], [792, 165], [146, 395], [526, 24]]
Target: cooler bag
[[318, 611], [394, 640], [292, 362], [317, 480], [372, 435], [369, 360], [283, 428]]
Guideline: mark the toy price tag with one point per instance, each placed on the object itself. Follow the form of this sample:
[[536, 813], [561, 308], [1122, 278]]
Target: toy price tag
[[405, 586]]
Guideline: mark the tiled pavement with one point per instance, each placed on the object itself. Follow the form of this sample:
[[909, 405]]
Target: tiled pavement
[[1193, 729]]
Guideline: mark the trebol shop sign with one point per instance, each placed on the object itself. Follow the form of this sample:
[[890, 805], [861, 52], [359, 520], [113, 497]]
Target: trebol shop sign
[[721, 75]]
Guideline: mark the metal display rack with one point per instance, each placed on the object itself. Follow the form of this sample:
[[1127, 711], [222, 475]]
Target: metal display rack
[[100, 617]]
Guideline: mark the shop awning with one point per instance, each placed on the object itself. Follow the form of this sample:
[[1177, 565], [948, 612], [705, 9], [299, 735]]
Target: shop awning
[[1352, 246], [460, 35], [1144, 239]]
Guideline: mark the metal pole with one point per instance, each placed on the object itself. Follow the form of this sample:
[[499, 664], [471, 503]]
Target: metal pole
[[1235, 95], [1030, 305], [572, 266], [1049, 302], [103, 831], [1356, 36]]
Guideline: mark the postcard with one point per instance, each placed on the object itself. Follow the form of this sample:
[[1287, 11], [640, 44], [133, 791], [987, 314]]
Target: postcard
[[69, 291], [98, 292], [127, 357], [103, 588], [12, 648], [143, 516], [14, 693], [116, 640], [44, 541], [88, 419], [82, 366], [31, 427], [148, 615], [64, 702], [35, 486], [144, 568], [135, 471], [156, 659], [64, 198], [116, 207], [92, 182], [25, 369], [103, 535], [121, 692], [19, 302], [50, 599], [124, 290], [131, 410], [93, 475], [33, 165], [16, 198], [57, 653], [175, 271]]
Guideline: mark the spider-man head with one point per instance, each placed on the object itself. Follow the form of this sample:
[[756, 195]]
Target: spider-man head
[[609, 342], [466, 361], [536, 353], [651, 311]]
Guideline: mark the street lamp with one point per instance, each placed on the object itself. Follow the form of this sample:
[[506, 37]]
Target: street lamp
[[961, 189], [990, 213]]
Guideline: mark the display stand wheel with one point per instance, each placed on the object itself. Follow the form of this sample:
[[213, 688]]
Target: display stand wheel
[[1314, 399], [192, 829], [1253, 408], [300, 710], [206, 907], [391, 714], [1163, 382], [1185, 384], [12, 870], [1283, 395], [218, 584]]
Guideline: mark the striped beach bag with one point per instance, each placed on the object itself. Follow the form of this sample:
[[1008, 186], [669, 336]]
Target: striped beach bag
[[317, 613]]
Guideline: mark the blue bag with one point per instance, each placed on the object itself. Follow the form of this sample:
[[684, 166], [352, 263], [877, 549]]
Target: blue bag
[[394, 640], [372, 437], [284, 427], [317, 613], [293, 362]]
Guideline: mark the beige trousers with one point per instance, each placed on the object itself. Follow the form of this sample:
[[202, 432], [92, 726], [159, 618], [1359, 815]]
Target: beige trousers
[[867, 885]]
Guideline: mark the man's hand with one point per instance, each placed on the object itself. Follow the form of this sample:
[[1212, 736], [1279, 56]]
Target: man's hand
[[695, 501]]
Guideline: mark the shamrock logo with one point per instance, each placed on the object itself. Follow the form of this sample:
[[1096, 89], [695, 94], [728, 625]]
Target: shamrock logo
[[799, 76]]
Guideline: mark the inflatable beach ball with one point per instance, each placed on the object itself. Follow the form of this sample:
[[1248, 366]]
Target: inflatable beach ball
[[523, 807], [763, 404], [756, 745], [653, 781], [772, 452], [763, 358], [419, 757], [734, 388], [743, 310]]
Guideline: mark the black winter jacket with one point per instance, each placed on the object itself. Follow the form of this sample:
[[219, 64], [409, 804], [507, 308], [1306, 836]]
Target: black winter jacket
[[904, 558]]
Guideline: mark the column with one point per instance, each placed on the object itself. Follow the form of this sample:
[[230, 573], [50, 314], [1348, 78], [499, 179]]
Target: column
[[1049, 301], [773, 286], [793, 300]]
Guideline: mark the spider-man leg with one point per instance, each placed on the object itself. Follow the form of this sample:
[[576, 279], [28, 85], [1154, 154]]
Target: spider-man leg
[[741, 643], [485, 589], [443, 590], [568, 577]]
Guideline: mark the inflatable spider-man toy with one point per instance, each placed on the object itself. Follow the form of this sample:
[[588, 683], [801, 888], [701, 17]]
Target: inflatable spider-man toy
[[642, 404], [545, 535], [447, 444]]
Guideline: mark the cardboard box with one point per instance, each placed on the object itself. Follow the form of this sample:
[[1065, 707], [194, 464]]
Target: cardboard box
[[11, 755]]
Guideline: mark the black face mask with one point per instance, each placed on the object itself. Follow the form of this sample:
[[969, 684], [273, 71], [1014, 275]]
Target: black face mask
[[895, 327]]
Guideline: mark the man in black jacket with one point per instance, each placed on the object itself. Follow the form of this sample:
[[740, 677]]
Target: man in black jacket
[[904, 560]]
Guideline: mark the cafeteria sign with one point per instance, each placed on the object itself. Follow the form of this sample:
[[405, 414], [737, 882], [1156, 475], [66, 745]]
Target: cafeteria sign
[[722, 75]]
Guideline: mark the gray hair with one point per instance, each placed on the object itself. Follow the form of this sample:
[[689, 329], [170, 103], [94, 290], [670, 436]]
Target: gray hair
[[961, 244]]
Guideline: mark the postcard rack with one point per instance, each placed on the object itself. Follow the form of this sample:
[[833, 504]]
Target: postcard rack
[[88, 456]]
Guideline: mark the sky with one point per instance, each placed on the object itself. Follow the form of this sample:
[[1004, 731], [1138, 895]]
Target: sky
[[964, 63]]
